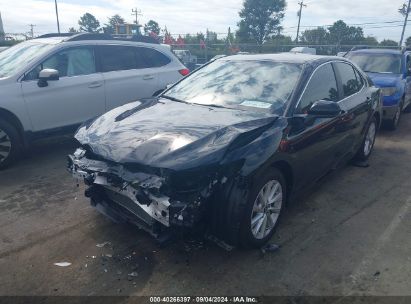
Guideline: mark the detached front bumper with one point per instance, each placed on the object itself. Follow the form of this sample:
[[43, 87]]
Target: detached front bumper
[[134, 197]]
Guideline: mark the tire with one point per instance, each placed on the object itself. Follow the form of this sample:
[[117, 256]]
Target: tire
[[9, 144], [393, 123], [368, 142], [259, 215], [407, 109]]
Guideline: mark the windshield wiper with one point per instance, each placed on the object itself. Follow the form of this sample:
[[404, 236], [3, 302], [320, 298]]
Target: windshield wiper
[[173, 98], [213, 105]]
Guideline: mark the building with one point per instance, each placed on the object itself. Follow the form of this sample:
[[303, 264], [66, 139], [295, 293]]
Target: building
[[128, 29], [2, 34]]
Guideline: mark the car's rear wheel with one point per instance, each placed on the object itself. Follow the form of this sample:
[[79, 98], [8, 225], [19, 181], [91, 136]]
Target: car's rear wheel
[[9, 144], [393, 123], [369, 140], [264, 205]]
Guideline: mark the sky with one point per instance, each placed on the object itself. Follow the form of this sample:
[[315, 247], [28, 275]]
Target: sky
[[192, 16]]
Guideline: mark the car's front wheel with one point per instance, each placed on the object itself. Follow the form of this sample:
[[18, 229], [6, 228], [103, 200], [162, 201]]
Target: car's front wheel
[[9, 144], [393, 123], [265, 202]]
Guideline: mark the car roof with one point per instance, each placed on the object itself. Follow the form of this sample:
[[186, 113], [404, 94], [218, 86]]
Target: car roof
[[298, 58], [377, 51]]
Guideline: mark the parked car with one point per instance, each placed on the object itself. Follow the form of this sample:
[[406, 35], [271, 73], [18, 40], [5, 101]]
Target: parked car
[[54, 83], [390, 70], [186, 58], [304, 50], [228, 146]]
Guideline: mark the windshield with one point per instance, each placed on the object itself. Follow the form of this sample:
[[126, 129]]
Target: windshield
[[377, 63], [12, 59], [252, 84]]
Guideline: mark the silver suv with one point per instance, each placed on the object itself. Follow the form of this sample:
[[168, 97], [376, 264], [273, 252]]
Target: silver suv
[[55, 82]]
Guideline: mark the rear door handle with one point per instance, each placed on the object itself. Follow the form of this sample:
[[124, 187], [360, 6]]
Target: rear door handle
[[148, 77], [95, 84]]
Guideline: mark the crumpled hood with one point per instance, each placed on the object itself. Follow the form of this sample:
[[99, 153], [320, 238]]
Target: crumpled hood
[[384, 80], [167, 134]]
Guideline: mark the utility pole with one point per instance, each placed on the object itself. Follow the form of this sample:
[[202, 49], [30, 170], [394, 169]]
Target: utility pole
[[405, 11], [32, 30], [57, 16], [136, 12], [301, 4]]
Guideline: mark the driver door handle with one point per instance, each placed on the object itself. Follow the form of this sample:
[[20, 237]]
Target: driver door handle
[[95, 84], [148, 77]]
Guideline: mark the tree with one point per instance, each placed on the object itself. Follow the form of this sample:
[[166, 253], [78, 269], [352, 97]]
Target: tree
[[110, 26], [388, 42], [408, 41], [72, 30], [89, 23], [369, 40], [315, 36], [341, 33], [152, 27], [260, 19]]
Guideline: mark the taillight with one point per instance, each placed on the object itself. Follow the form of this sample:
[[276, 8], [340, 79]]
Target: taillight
[[184, 72]]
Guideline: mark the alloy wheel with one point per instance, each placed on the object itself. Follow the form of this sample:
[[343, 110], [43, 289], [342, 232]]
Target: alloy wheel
[[266, 209], [370, 138], [5, 146]]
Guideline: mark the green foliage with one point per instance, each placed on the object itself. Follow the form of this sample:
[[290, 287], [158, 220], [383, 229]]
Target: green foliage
[[152, 27], [89, 23], [110, 26], [260, 19], [316, 36], [72, 30], [388, 42], [340, 33], [369, 40]]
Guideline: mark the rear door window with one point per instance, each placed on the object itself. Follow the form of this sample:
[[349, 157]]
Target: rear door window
[[152, 57], [349, 80], [117, 58]]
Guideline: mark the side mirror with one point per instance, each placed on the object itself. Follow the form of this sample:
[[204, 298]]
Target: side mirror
[[325, 108], [46, 75]]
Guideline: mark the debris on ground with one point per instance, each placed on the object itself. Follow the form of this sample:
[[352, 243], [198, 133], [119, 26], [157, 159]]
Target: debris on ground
[[269, 248], [103, 244], [62, 264]]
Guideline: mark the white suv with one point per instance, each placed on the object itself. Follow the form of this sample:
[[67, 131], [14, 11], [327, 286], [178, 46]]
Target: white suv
[[55, 82]]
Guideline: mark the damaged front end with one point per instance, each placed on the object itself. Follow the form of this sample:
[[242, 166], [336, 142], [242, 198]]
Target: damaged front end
[[159, 201]]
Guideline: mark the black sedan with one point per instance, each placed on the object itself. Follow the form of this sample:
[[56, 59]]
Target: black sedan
[[225, 149]]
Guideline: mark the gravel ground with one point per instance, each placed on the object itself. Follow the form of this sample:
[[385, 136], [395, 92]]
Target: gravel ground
[[350, 236]]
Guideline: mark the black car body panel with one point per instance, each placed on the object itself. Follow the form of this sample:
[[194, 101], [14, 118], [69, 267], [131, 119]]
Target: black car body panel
[[171, 135], [174, 159]]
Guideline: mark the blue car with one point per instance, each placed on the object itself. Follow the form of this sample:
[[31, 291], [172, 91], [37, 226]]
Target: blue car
[[390, 70]]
